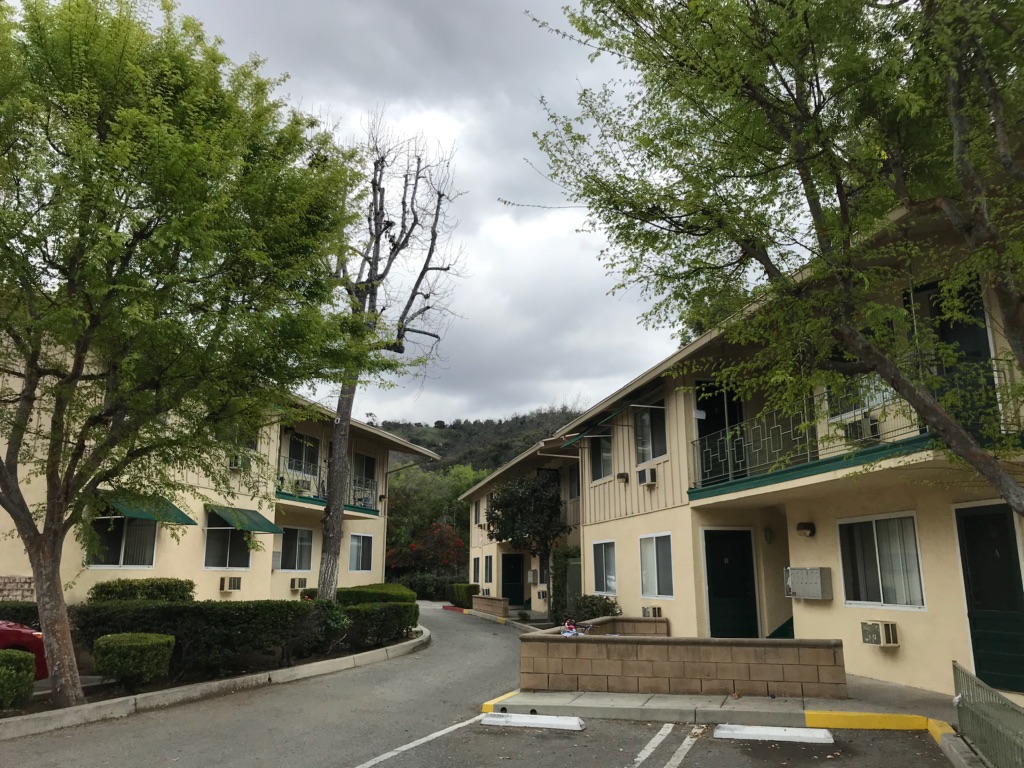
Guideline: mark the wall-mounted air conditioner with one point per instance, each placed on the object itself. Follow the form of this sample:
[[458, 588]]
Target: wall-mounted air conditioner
[[650, 611], [809, 583], [298, 583], [485, 593], [880, 633], [230, 583], [303, 486], [862, 429], [647, 478], [533, 576]]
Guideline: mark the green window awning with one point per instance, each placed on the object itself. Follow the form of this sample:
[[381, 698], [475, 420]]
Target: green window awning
[[245, 519], [145, 507]]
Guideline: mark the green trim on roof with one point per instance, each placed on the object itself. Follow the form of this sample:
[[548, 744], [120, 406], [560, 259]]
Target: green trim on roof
[[245, 519], [601, 423], [865, 456], [364, 510], [143, 507], [284, 496]]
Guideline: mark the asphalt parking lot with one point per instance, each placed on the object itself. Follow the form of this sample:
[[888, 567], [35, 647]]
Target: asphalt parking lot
[[625, 744]]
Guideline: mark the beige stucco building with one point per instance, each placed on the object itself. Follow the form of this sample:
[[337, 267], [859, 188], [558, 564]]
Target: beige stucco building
[[734, 521], [209, 539]]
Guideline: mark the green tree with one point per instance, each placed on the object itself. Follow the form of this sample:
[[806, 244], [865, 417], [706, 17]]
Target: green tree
[[787, 172], [165, 226], [526, 513]]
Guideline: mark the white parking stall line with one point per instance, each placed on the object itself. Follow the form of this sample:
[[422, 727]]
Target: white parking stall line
[[652, 745], [413, 744], [676, 760]]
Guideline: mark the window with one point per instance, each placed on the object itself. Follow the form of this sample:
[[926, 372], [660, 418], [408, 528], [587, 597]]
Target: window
[[364, 467], [574, 481], [360, 552], [604, 567], [656, 566], [124, 542], [476, 569], [649, 432], [225, 546], [488, 569], [364, 481], [600, 457], [304, 454], [297, 549], [880, 561], [476, 512]]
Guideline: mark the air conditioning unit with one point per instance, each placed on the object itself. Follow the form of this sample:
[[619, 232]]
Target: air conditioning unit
[[303, 486], [236, 463], [533, 576], [880, 633], [485, 593], [647, 478], [298, 583], [230, 583], [863, 429], [542, 594], [650, 611]]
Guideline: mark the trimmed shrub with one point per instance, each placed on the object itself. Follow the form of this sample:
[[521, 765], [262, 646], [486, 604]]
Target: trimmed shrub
[[17, 675], [427, 586], [22, 612], [594, 606], [326, 628], [376, 624], [463, 594], [133, 658], [170, 590], [211, 635], [370, 593]]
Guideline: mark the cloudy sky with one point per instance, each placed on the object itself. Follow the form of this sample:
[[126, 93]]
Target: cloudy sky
[[535, 324]]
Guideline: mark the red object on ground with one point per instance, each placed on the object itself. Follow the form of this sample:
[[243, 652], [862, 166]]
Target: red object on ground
[[452, 608], [18, 637]]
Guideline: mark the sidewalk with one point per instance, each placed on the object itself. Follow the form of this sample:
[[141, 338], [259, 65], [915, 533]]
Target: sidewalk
[[878, 704]]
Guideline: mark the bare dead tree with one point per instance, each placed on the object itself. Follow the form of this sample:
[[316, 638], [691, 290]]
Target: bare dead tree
[[398, 280]]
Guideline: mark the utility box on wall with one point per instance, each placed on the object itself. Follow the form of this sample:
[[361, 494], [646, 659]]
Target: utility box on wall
[[809, 583]]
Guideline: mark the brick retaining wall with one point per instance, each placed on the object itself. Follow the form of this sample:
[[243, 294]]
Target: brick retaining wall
[[17, 588], [646, 661], [495, 606]]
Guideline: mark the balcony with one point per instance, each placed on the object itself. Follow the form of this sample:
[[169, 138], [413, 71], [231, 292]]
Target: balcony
[[306, 482], [835, 431]]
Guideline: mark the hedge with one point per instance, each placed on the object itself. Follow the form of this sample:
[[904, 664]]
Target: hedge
[[594, 606], [211, 635], [22, 612], [427, 586], [376, 624], [144, 589], [17, 676], [133, 658], [370, 593], [463, 597]]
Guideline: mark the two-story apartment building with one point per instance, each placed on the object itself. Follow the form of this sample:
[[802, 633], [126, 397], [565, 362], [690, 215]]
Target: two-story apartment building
[[259, 543], [844, 522], [499, 569]]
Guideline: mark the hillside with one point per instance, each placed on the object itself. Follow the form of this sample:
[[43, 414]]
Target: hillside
[[487, 443]]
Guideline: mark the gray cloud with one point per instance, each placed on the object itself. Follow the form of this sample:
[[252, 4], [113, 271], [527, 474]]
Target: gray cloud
[[536, 324]]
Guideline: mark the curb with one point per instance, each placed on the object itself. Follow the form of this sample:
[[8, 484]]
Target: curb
[[496, 619], [43, 722]]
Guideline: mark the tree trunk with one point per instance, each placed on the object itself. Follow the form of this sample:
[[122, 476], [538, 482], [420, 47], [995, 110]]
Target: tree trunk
[[338, 473], [44, 555]]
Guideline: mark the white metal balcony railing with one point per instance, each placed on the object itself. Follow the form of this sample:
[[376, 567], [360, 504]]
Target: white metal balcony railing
[[833, 427], [309, 480]]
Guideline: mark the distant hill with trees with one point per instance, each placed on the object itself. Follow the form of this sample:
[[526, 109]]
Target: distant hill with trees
[[483, 443]]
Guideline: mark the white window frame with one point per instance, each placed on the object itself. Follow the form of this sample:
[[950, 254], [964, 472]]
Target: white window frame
[[206, 544], [488, 569], [591, 447], [640, 562], [476, 512], [351, 539], [645, 410], [476, 569], [311, 536], [593, 547], [920, 565], [120, 566]]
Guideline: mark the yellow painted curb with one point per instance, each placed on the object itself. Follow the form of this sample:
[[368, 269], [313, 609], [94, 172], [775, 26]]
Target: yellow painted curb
[[502, 621], [866, 721], [488, 706], [938, 729]]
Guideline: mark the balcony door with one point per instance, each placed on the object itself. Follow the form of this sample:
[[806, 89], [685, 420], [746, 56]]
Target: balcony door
[[304, 463], [719, 413], [995, 596]]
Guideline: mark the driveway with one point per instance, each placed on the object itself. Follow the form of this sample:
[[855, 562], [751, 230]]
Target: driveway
[[333, 721]]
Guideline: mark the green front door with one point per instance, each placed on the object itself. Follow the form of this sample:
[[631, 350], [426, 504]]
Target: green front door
[[512, 579], [732, 589], [995, 596]]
